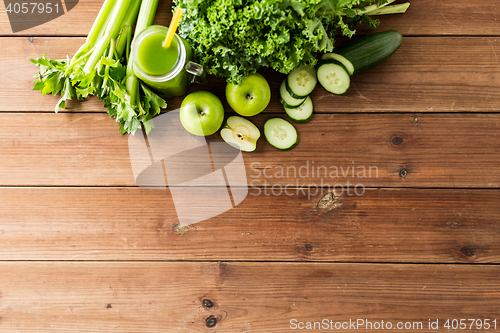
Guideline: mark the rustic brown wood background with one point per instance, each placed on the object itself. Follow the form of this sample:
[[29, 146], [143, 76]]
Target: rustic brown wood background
[[82, 248]]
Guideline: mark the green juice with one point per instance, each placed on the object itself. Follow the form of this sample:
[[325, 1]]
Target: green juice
[[156, 59], [162, 68]]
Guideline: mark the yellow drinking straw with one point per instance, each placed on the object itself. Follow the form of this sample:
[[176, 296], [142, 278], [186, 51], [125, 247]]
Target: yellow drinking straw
[[173, 27]]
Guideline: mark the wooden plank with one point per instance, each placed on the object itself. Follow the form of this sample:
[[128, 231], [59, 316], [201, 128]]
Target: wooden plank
[[245, 297], [398, 150], [429, 17], [424, 17], [443, 226], [16, 87], [425, 75]]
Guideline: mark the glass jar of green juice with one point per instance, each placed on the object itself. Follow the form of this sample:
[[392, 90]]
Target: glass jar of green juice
[[170, 70]]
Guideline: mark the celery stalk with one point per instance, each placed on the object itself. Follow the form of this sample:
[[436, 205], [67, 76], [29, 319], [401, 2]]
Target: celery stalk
[[95, 33], [100, 21], [145, 19], [104, 82], [126, 29], [146, 15], [112, 30]]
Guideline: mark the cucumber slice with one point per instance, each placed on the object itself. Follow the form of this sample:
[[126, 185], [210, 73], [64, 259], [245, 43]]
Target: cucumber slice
[[303, 113], [280, 133], [333, 76], [287, 100], [301, 82], [370, 51], [347, 64]]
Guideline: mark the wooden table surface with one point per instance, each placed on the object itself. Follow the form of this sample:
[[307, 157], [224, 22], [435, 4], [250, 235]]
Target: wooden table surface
[[82, 248]]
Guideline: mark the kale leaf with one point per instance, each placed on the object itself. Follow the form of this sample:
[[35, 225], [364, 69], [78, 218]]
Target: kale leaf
[[234, 38]]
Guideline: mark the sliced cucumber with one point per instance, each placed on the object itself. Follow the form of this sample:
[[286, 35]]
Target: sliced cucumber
[[280, 133], [347, 64], [333, 76], [287, 100], [301, 82], [303, 113], [370, 51]]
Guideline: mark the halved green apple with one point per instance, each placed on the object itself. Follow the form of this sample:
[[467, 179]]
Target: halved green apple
[[240, 133]]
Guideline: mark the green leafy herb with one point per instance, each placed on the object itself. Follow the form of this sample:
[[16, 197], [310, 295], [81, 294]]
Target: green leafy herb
[[234, 38]]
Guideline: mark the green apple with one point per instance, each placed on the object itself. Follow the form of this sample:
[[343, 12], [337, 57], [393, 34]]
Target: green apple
[[240, 133], [250, 97], [201, 113]]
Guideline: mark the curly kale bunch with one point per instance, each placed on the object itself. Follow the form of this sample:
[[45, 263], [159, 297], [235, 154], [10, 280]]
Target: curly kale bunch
[[234, 38]]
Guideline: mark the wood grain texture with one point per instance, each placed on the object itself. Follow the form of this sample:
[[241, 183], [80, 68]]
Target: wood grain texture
[[246, 297], [391, 225], [399, 150], [424, 17], [429, 17], [16, 87], [425, 75], [120, 262]]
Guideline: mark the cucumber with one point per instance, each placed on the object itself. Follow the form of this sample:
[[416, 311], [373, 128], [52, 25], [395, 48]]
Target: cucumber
[[301, 82], [287, 100], [370, 51], [280, 133], [347, 64], [333, 76], [303, 113]]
